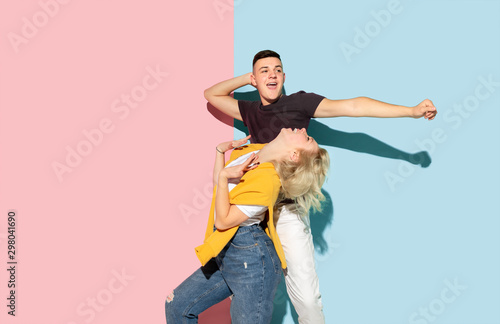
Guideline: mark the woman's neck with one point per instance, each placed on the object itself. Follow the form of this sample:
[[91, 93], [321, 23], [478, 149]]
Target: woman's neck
[[270, 152]]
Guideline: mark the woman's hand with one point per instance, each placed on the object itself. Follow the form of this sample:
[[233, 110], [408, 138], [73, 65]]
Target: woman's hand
[[239, 170], [229, 145]]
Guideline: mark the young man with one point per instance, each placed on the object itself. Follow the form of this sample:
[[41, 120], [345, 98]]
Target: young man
[[264, 120]]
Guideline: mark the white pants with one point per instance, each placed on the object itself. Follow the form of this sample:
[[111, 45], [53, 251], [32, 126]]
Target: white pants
[[302, 282]]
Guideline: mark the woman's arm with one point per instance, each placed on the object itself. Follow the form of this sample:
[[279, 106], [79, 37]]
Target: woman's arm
[[220, 160], [230, 215], [219, 155]]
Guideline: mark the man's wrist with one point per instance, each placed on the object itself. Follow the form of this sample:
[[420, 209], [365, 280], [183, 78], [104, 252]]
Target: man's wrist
[[249, 78], [412, 112], [244, 80]]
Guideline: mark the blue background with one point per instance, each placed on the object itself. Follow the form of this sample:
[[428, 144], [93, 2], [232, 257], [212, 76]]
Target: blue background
[[394, 244]]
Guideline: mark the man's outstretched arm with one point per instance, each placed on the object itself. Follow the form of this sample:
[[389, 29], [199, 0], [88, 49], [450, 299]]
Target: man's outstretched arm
[[367, 107], [219, 95]]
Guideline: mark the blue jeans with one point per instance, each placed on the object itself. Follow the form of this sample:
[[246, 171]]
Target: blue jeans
[[247, 268]]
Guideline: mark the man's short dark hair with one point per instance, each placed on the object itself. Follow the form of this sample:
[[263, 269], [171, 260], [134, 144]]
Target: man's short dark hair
[[264, 54]]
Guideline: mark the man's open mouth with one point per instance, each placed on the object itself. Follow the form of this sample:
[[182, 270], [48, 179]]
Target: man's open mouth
[[272, 85]]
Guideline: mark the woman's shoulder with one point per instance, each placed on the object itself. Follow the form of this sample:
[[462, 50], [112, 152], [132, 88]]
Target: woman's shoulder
[[245, 149], [258, 186], [264, 175]]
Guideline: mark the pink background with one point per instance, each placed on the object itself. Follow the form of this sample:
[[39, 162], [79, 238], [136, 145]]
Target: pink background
[[135, 203]]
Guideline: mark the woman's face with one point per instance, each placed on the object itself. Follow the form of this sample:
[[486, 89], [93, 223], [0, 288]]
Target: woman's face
[[298, 139]]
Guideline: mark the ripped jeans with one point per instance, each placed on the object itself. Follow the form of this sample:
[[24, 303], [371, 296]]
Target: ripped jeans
[[247, 268]]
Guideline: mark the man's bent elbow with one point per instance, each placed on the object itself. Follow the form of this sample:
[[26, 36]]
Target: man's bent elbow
[[206, 94]]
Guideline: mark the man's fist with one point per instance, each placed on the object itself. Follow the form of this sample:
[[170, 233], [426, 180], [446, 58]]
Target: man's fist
[[425, 109]]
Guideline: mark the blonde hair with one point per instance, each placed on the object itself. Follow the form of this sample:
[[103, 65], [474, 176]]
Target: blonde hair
[[302, 180]]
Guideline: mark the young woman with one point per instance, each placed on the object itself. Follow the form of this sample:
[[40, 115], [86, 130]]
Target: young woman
[[241, 257]]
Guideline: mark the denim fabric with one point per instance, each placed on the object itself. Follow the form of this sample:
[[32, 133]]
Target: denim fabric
[[247, 268]]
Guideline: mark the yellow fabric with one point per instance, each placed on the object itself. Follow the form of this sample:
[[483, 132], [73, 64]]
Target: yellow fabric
[[257, 187]]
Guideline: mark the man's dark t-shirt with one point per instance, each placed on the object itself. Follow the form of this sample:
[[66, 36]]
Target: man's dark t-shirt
[[265, 122]]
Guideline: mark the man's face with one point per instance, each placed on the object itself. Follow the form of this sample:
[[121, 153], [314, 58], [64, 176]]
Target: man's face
[[268, 78]]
